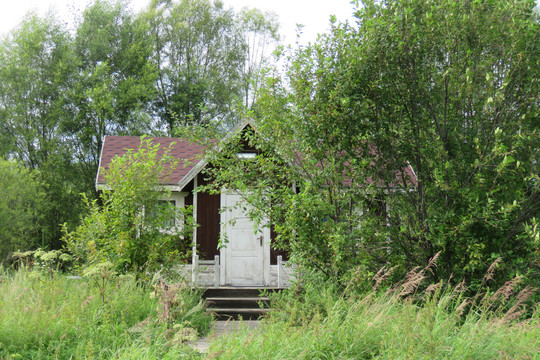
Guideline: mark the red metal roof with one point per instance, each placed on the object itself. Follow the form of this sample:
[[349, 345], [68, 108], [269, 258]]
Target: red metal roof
[[187, 152]]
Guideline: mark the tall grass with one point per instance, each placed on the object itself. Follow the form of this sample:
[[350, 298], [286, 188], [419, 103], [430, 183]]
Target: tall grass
[[62, 318], [407, 321]]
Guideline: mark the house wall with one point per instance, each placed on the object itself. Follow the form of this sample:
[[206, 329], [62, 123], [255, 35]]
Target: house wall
[[208, 218]]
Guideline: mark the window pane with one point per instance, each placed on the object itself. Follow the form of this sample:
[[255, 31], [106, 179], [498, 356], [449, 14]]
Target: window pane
[[163, 211]]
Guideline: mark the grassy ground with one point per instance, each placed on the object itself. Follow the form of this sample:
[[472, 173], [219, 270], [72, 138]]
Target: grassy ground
[[437, 323], [62, 318]]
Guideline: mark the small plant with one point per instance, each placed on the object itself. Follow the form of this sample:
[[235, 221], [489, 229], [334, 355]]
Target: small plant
[[181, 305], [104, 276]]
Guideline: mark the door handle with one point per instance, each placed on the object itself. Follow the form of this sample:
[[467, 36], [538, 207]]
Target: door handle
[[260, 240]]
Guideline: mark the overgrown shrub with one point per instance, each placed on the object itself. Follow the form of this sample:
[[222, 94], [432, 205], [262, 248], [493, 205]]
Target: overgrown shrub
[[126, 228], [20, 202]]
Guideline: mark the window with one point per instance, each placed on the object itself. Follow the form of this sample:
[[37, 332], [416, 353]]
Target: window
[[164, 213], [246, 155]]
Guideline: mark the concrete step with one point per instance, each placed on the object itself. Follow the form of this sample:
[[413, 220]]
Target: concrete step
[[236, 291], [236, 313], [236, 302]]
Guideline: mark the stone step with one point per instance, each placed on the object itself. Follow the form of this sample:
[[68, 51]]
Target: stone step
[[238, 302], [236, 313], [237, 291]]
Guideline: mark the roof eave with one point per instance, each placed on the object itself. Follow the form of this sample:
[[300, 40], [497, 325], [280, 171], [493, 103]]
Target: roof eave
[[99, 164], [195, 170]]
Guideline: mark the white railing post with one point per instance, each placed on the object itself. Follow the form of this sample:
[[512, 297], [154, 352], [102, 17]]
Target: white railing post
[[279, 270], [217, 270], [195, 271]]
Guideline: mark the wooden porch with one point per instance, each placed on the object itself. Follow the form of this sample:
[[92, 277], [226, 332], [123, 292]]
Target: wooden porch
[[207, 274]]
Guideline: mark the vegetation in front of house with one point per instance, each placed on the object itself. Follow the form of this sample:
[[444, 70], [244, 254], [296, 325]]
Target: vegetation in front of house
[[127, 229], [69, 318], [59, 317], [447, 87], [410, 320]]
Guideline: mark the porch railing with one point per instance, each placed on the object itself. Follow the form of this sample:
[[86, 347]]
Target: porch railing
[[201, 265]]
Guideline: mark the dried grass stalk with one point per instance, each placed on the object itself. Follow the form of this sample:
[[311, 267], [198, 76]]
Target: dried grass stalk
[[505, 291], [491, 270], [461, 308], [382, 275], [413, 281], [433, 287]]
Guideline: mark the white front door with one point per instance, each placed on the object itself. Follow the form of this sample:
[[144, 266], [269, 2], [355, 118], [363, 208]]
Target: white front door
[[246, 255]]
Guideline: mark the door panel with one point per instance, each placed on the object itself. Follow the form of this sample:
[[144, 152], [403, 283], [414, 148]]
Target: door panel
[[246, 256]]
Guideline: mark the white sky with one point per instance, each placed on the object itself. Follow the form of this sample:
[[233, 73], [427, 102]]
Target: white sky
[[313, 14]]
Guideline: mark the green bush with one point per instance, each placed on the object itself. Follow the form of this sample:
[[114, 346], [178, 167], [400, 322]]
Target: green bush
[[126, 230], [19, 216]]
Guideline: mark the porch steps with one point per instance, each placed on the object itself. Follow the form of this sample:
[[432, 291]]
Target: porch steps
[[235, 302]]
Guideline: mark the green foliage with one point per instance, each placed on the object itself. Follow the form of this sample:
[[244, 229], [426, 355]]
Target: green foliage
[[36, 64], [121, 230], [208, 57], [453, 92], [22, 196], [450, 88], [36, 67], [64, 318]]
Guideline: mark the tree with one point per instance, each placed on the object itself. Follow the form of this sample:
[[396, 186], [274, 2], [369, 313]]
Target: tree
[[448, 87], [35, 65], [127, 230], [261, 37], [114, 86], [452, 87], [36, 69], [19, 208], [207, 56]]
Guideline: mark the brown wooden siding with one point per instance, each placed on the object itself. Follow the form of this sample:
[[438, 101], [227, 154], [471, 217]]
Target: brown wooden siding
[[208, 219]]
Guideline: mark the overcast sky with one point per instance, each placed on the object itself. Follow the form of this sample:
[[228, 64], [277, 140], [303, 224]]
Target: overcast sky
[[313, 14]]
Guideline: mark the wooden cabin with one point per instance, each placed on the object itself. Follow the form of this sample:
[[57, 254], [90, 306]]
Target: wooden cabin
[[247, 259]]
